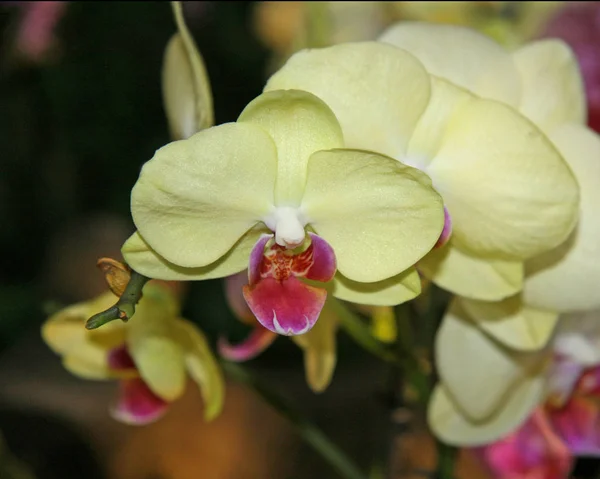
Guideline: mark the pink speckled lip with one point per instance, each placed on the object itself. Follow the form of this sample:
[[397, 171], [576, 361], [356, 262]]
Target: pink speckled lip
[[280, 301]]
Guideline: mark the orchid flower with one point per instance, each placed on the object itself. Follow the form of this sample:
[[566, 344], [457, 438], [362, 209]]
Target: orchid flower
[[567, 424], [318, 345], [276, 193], [151, 355], [514, 384], [483, 156], [549, 92]]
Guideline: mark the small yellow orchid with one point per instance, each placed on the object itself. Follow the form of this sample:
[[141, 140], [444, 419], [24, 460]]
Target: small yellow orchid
[[250, 194], [151, 355], [483, 156]]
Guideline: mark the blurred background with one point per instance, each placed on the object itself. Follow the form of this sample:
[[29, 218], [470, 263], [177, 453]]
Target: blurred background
[[80, 112]]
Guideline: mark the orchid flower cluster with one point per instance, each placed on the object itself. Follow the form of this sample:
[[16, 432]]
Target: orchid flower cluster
[[364, 173]]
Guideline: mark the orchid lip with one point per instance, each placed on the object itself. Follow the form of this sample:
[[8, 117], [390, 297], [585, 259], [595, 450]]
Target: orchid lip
[[279, 300], [288, 224], [289, 331]]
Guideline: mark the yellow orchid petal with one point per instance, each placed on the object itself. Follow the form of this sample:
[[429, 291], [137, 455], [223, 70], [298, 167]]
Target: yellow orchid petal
[[84, 352], [451, 426], [427, 139], [478, 373], [158, 356], [461, 55], [513, 323], [300, 124], [88, 361], [145, 260], [552, 87], [186, 88], [350, 79], [460, 273], [202, 367], [319, 346], [379, 216], [500, 204], [389, 292], [197, 197], [567, 278], [65, 330]]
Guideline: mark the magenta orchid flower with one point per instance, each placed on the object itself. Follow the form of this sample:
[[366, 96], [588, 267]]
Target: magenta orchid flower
[[565, 426]]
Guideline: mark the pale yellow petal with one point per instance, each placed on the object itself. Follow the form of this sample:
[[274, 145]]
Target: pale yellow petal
[[157, 354], [478, 372], [186, 89], [430, 133], [379, 216], [552, 87], [451, 426], [146, 261], [300, 124], [472, 277], [568, 277], [462, 55], [88, 361], [513, 323], [197, 197], [487, 169], [378, 92], [202, 367], [390, 292], [65, 330], [319, 346]]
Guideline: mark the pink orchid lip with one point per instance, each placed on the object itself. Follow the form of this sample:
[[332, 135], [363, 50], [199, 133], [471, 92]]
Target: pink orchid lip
[[577, 421], [119, 359], [235, 298], [532, 451], [446, 231], [280, 301], [136, 403], [258, 340]]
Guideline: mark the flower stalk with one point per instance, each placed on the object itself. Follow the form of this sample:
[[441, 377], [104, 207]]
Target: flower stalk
[[308, 431], [124, 309]]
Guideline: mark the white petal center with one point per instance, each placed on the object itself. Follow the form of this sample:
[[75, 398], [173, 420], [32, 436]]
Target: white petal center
[[288, 224]]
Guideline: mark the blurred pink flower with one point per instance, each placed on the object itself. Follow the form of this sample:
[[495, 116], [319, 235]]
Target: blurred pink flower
[[567, 425], [35, 33]]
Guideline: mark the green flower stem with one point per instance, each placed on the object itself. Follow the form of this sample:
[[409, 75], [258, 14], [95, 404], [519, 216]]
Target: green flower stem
[[125, 307], [10, 466], [438, 304], [446, 461], [344, 466], [360, 332]]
